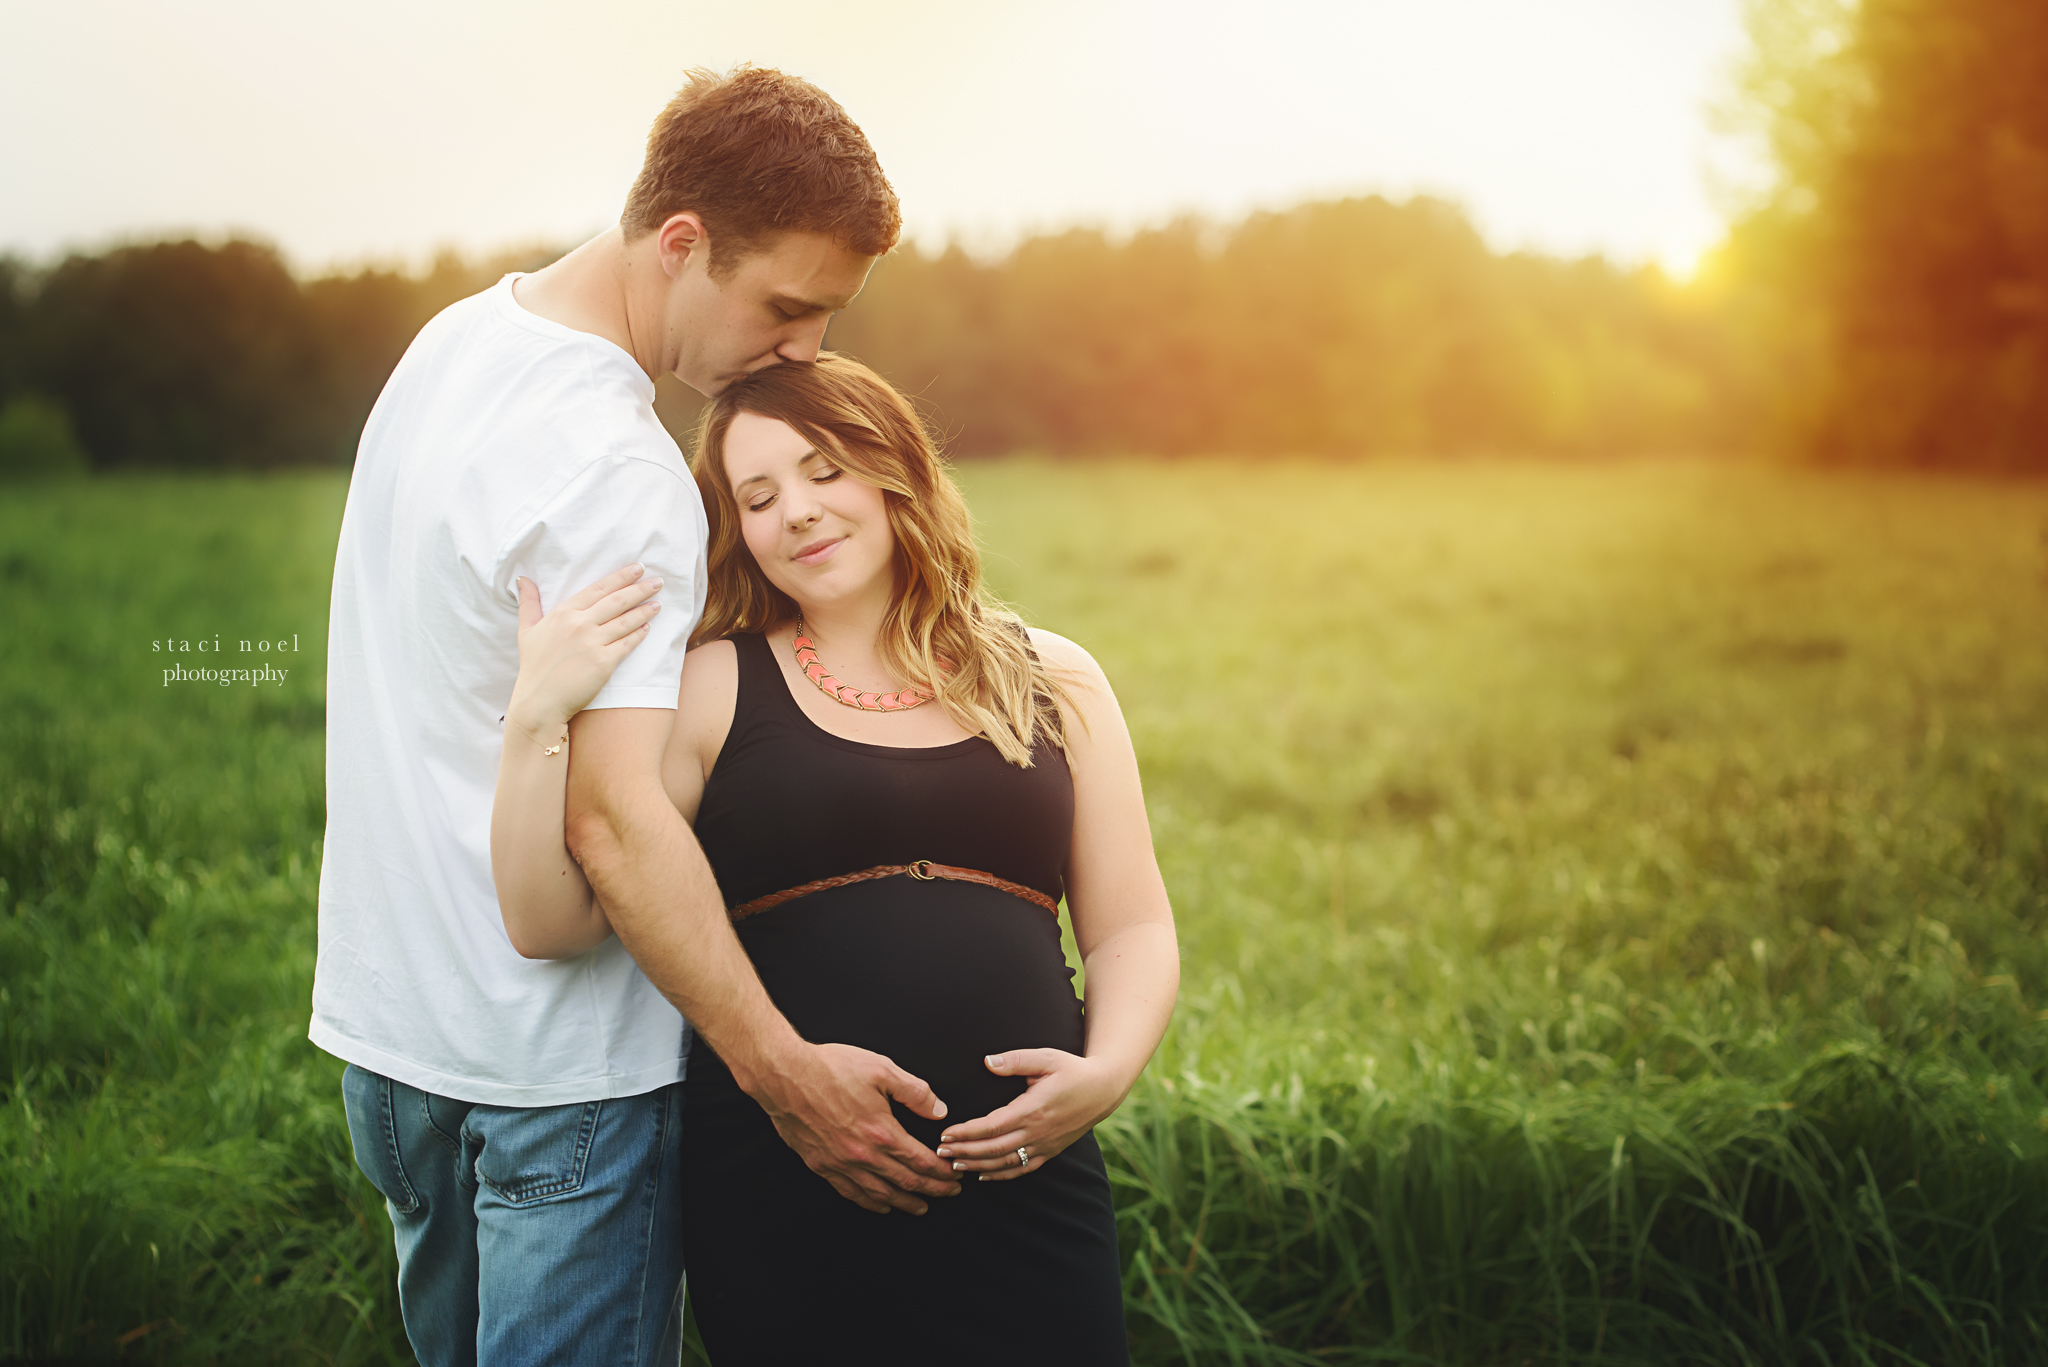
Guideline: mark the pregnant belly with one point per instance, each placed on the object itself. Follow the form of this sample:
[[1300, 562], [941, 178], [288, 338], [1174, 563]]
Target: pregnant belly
[[932, 975]]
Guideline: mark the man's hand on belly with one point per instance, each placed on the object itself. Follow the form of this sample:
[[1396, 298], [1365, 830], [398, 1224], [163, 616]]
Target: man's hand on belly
[[830, 1103]]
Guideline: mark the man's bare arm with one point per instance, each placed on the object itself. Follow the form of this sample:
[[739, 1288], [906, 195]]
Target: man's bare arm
[[829, 1102]]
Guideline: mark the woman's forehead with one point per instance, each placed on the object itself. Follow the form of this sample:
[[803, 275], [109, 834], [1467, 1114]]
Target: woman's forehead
[[757, 447]]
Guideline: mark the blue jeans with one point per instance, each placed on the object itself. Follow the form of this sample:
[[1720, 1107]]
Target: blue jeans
[[547, 1234]]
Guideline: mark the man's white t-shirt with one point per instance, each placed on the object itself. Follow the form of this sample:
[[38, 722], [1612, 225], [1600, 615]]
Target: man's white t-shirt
[[503, 445]]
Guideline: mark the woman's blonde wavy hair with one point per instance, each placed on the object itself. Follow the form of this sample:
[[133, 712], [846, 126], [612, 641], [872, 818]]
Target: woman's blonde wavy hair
[[995, 685]]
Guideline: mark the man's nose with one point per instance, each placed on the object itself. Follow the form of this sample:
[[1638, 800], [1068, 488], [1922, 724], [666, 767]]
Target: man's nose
[[805, 344]]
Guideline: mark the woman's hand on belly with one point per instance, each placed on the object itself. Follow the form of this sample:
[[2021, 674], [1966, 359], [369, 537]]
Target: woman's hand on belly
[[1065, 1096]]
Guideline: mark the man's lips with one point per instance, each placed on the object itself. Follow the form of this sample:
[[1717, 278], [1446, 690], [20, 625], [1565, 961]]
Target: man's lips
[[817, 552]]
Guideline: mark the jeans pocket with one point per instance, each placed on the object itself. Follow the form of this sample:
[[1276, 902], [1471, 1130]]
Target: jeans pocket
[[373, 1132], [530, 1154]]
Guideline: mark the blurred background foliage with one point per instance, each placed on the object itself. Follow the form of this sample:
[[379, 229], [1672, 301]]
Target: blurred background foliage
[[1884, 302], [1896, 277]]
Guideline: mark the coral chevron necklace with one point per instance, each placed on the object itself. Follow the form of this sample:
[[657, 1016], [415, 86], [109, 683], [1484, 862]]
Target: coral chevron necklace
[[844, 693]]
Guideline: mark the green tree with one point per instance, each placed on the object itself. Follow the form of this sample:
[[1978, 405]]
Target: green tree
[[179, 354], [14, 276], [1910, 224]]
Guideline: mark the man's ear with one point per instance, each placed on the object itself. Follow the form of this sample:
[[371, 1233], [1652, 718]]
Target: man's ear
[[681, 237]]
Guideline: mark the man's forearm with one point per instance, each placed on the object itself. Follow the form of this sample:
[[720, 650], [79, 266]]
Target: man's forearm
[[830, 1102], [647, 869]]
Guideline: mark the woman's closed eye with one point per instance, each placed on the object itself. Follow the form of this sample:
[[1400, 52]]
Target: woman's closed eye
[[761, 503]]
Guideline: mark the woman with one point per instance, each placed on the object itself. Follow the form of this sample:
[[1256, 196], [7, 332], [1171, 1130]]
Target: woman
[[855, 704]]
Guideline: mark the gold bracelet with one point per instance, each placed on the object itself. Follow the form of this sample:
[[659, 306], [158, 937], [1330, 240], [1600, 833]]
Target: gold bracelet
[[546, 749]]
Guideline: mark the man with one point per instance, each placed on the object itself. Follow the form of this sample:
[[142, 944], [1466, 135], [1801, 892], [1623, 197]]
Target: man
[[520, 1116]]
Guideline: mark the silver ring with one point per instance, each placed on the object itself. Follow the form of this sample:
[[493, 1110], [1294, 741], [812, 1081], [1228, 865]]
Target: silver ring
[[1023, 1157]]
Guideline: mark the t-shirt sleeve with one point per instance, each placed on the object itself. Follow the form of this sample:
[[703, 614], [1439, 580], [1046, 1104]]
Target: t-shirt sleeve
[[621, 509]]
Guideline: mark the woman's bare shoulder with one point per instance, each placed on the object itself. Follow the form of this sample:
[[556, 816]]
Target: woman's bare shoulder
[[710, 687], [1067, 656], [712, 660]]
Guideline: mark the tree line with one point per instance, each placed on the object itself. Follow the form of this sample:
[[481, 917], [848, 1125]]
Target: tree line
[[1342, 328], [1886, 303], [186, 355], [1351, 327]]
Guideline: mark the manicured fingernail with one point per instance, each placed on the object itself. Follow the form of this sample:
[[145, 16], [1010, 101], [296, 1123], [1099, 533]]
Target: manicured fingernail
[[945, 1139], [939, 1109], [945, 1152], [655, 582], [995, 1060], [959, 1167], [635, 567]]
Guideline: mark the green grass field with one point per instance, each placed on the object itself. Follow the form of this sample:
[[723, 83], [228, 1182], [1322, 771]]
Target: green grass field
[[1613, 901]]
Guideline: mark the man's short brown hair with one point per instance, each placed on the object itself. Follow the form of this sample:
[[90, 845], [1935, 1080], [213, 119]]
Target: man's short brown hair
[[755, 153]]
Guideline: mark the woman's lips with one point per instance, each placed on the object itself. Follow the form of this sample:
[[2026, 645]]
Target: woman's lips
[[818, 552]]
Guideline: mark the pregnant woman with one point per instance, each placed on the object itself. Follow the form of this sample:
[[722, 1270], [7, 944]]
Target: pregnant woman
[[895, 783]]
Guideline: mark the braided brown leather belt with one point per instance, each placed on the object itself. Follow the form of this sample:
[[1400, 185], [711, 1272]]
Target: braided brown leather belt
[[922, 869]]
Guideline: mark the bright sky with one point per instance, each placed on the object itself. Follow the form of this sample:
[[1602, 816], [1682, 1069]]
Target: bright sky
[[379, 129]]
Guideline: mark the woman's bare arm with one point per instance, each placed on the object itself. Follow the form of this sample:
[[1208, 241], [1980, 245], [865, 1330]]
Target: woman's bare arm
[[565, 657], [704, 705], [1123, 925]]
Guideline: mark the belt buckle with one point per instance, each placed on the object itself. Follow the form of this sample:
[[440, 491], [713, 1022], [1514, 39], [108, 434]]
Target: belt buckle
[[920, 869]]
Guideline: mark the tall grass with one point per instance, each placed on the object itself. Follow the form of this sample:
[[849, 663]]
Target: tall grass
[[178, 1182], [1612, 902]]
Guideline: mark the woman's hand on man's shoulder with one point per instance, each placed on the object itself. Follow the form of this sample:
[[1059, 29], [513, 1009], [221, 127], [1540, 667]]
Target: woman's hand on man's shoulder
[[568, 653]]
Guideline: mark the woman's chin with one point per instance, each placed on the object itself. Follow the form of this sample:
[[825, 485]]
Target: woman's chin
[[830, 586]]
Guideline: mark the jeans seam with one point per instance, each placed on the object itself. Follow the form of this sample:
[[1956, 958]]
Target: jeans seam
[[427, 1117], [387, 1116], [653, 1189]]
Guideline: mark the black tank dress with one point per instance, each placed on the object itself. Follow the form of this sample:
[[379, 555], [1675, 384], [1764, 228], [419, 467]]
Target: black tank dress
[[935, 975]]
